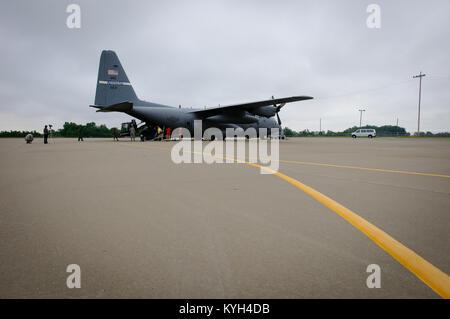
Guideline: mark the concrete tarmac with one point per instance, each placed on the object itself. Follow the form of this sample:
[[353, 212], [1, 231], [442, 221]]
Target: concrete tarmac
[[140, 226]]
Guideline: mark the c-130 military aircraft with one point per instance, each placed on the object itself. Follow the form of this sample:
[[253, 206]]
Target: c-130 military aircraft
[[115, 94]]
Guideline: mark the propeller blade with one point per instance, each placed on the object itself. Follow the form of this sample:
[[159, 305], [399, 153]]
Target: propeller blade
[[279, 121]]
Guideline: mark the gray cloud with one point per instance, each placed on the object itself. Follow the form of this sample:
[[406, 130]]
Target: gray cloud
[[198, 53]]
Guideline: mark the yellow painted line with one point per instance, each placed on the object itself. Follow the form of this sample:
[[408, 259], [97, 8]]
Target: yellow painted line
[[355, 167], [365, 168], [425, 271], [432, 276]]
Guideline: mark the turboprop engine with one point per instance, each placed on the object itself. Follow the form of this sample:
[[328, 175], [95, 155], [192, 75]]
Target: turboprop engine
[[269, 111], [266, 111]]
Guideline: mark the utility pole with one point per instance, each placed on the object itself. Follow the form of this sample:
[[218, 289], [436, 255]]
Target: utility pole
[[360, 117], [397, 126], [320, 126], [420, 76]]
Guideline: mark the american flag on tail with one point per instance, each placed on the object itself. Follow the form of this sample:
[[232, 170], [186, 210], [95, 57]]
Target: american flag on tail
[[112, 72]]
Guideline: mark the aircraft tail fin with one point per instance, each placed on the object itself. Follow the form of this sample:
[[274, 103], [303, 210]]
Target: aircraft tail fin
[[113, 85]]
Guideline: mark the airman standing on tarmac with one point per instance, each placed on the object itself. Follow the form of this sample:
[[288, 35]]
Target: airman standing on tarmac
[[115, 138], [132, 133], [45, 135], [80, 133]]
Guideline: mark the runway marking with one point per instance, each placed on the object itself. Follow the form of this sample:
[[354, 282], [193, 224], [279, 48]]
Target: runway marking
[[366, 168], [356, 167], [424, 270], [432, 276]]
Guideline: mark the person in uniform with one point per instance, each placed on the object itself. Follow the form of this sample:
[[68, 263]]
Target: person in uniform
[[29, 138], [80, 133], [115, 137], [46, 135], [132, 132]]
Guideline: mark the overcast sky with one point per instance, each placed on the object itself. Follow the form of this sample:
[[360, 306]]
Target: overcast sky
[[198, 53]]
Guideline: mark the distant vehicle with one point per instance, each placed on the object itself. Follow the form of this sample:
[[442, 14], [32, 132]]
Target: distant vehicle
[[365, 132]]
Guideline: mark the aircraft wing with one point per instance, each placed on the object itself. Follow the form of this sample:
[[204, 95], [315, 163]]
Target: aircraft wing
[[247, 106]]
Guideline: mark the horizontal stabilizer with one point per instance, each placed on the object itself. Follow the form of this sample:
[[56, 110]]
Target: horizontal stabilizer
[[119, 107]]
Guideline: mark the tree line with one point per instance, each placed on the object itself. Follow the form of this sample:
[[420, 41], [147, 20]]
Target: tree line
[[91, 129], [385, 130], [69, 129]]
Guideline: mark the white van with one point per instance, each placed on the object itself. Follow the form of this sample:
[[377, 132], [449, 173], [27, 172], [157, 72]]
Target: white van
[[364, 132]]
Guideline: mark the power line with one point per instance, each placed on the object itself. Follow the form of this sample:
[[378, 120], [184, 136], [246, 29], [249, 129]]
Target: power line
[[433, 77], [363, 91], [439, 76]]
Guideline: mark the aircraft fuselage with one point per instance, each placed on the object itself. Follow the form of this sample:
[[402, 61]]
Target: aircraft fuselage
[[166, 116]]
